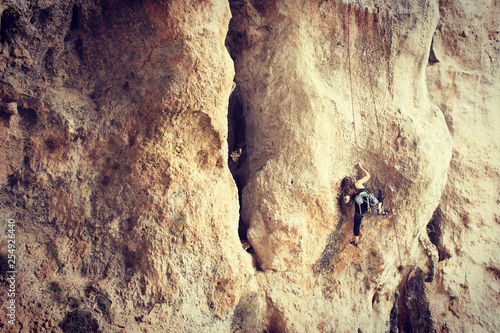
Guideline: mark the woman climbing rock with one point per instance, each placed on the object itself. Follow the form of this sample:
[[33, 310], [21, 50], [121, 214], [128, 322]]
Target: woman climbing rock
[[355, 192]]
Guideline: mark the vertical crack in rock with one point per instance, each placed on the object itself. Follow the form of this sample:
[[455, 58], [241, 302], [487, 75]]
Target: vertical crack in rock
[[434, 231], [238, 161], [432, 56], [418, 305], [401, 313], [393, 319], [412, 309], [238, 164]]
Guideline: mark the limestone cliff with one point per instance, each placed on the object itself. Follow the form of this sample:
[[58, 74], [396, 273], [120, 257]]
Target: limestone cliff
[[116, 173], [174, 166], [464, 82]]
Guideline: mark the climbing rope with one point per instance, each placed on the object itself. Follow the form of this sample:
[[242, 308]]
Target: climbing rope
[[380, 139], [350, 81], [388, 191]]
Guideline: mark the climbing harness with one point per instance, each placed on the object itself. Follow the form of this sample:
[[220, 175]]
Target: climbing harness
[[389, 196], [370, 201]]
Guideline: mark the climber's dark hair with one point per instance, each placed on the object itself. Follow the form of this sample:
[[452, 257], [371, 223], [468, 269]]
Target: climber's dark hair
[[347, 188]]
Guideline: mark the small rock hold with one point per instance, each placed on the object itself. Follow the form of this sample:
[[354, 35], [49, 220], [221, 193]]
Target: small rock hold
[[11, 108]]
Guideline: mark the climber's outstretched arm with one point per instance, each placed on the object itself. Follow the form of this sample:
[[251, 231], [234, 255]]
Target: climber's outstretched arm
[[366, 177]]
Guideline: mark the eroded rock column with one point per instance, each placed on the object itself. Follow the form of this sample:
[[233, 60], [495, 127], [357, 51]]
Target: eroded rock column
[[114, 125], [292, 68], [464, 83]]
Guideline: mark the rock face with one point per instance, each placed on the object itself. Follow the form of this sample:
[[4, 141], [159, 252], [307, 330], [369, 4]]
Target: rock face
[[115, 170], [465, 83], [122, 121], [292, 68]]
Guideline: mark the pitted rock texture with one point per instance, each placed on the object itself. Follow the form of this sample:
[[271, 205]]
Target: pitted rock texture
[[122, 121], [291, 61], [116, 169], [465, 83]]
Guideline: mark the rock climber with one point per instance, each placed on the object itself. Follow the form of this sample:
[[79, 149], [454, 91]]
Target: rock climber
[[355, 192]]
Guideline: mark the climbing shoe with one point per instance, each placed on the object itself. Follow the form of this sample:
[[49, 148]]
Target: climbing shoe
[[352, 242], [381, 213]]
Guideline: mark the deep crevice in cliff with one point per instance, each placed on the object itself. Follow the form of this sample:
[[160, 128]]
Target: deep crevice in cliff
[[238, 164], [236, 139], [432, 56], [416, 302], [411, 309], [434, 232]]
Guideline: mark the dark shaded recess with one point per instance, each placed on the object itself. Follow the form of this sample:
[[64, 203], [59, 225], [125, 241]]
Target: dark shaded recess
[[105, 180], [131, 258], [51, 145], [432, 56], [403, 320], [375, 299], [234, 38], [75, 18], [412, 308], [5, 116], [237, 143], [79, 48], [260, 6], [10, 25], [79, 321], [49, 60], [28, 116], [40, 18], [4, 264], [276, 323], [393, 319], [110, 4], [115, 9], [235, 43], [95, 34], [418, 305], [237, 39], [434, 232], [13, 179], [131, 261]]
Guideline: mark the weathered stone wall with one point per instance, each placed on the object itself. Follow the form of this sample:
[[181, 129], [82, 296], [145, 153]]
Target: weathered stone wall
[[114, 125], [291, 60], [465, 83], [120, 123]]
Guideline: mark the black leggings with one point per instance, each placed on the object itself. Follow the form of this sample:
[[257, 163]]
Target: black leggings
[[358, 217], [357, 223]]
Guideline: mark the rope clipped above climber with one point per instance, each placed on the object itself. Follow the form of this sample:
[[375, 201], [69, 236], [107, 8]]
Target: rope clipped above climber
[[358, 185]]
